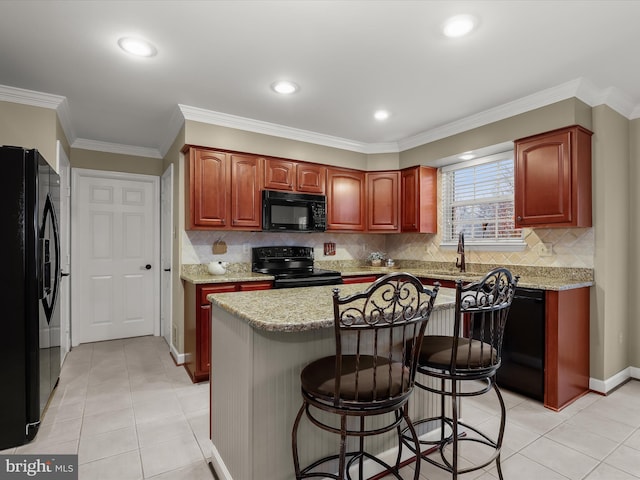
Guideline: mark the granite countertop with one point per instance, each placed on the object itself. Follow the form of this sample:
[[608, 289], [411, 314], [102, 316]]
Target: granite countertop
[[527, 279], [296, 309], [549, 278]]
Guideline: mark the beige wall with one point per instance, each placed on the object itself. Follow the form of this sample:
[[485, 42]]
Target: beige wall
[[634, 254], [231, 139], [543, 119], [29, 127], [610, 312], [115, 162]]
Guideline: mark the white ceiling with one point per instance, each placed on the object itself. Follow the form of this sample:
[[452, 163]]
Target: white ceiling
[[349, 57]]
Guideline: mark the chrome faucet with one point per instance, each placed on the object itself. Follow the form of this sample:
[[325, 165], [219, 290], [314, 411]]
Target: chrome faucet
[[460, 262]]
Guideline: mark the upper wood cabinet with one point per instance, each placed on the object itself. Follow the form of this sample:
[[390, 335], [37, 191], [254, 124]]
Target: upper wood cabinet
[[383, 201], [345, 200], [223, 190], [208, 181], [287, 175], [553, 179], [246, 202], [419, 200]]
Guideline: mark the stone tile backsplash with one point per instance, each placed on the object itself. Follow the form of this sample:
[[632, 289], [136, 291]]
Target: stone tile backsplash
[[571, 247]]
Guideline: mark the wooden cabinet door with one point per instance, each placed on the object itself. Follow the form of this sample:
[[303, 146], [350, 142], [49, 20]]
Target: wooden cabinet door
[[553, 179], [245, 192], [203, 357], [279, 174], [419, 200], [345, 200], [310, 178], [207, 189], [383, 201]]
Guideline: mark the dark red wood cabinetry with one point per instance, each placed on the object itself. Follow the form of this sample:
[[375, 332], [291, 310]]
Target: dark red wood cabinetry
[[553, 179], [292, 176], [419, 200], [197, 323], [383, 201], [223, 189], [345, 200]]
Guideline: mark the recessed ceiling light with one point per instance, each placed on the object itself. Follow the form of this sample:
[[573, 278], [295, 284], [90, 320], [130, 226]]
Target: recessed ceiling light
[[459, 25], [284, 87], [381, 115], [138, 47], [466, 156]]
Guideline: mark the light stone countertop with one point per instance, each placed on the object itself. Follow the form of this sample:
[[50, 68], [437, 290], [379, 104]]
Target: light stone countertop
[[297, 309], [529, 277]]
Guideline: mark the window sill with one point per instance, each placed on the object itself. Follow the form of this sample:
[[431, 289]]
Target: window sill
[[470, 246]]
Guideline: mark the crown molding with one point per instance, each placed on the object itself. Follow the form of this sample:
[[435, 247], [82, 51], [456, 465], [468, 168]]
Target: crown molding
[[257, 126], [86, 144], [30, 97], [501, 112]]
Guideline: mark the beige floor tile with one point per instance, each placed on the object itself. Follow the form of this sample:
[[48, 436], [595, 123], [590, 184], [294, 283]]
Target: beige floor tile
[[107, 403], [163, 406], [582, 440], [170, 455], [634, 440], [592, 420], [194, 471], [607, 472], [154, 432], [626, 459], [535, 417], [107, 444], [107, 422], [519, 467], [125, 466], [559, 458]]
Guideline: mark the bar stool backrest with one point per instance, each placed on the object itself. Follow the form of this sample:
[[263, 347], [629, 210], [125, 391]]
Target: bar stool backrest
[[378, 336], [482, 309]]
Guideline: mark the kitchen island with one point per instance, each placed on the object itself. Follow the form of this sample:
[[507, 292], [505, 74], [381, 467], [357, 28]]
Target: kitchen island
[[260, 342]]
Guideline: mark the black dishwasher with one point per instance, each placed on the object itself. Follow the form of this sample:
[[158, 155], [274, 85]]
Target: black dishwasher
[[522, 367]]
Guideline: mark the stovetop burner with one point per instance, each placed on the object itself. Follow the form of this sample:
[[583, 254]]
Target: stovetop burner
[[292, 267]]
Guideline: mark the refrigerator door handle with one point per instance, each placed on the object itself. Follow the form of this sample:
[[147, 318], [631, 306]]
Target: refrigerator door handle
[[50, 292]]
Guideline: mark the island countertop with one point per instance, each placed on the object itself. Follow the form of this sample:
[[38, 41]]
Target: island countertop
[[297, 309]]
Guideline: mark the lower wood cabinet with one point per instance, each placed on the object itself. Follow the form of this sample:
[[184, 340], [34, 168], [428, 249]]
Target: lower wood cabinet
[[359, 279], [197, 323]]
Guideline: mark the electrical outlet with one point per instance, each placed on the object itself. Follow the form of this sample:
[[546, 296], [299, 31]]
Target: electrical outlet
[[545, 249]]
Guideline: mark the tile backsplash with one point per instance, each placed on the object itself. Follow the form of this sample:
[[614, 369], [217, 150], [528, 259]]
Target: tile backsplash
[[570, 247]]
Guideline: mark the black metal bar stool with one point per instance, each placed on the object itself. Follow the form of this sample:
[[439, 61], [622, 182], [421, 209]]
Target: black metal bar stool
[[378, 334], [469, 357]]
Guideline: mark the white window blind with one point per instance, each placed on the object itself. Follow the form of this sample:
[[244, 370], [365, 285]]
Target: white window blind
[[478, 201]]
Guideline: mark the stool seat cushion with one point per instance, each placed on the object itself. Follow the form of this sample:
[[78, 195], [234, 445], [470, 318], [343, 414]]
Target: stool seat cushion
[[436, 353], [319, 377]]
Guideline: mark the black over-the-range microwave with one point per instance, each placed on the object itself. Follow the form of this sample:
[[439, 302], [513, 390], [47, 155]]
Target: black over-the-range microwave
[[293, 212]]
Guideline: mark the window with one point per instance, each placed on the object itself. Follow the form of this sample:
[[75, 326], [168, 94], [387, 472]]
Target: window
[[478, 201]]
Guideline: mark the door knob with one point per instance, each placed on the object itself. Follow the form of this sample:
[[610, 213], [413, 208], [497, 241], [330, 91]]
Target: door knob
[[147, 266]]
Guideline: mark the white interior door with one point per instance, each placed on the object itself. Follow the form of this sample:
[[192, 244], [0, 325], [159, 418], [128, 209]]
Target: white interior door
[[166, 252], [115, 247], [64, 170]]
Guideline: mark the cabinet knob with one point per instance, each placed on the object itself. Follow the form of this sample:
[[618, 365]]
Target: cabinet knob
[[519, 218]]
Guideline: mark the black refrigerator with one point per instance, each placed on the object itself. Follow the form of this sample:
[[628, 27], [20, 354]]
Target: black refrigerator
[[29, 314]]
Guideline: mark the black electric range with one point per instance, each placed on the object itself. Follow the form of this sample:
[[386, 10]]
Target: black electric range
[[291, 267]]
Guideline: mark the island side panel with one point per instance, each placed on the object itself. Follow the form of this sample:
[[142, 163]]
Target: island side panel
[[231, 395], [256, 376]]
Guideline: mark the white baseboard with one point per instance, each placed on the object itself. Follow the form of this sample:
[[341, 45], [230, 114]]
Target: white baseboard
[[177, 357], [218, 464], [605, 386]]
